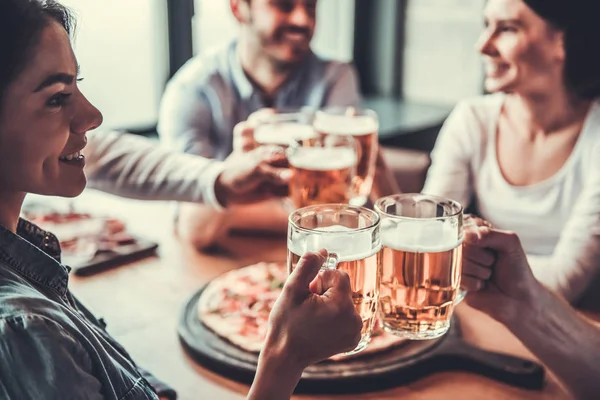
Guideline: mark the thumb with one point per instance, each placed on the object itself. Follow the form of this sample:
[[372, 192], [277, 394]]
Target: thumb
[[305, 272], [493, 239]]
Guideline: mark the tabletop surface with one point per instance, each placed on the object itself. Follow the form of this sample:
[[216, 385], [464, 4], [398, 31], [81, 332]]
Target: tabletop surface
[[142, 301], [400, 117]]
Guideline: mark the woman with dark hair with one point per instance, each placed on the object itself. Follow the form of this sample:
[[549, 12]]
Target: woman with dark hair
[[527, 157], [51, 346]]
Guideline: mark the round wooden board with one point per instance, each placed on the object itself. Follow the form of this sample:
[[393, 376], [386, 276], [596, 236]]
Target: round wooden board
[[404, 363]]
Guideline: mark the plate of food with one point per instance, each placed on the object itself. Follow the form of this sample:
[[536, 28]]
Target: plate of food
[[89, 243], [223, 327]]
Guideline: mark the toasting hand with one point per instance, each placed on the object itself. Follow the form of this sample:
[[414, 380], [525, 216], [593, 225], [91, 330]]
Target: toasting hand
[[495, 271], [251, 177], [243, 132], [313, 319]]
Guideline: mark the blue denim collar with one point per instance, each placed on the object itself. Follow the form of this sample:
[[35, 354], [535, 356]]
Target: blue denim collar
[[35, 254]]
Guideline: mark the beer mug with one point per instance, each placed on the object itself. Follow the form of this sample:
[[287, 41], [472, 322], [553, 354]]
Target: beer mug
[[363, 126], [283, 126], [324, 169], [421, 261], [351, 235]]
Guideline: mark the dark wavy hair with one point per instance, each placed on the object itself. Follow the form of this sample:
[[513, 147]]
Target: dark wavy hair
[[579, 22], [21, 23]]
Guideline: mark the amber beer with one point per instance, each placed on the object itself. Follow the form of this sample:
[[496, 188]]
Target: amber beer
[[363, 126], [352, 235], [418, 287], [321, 175], [421, 267]]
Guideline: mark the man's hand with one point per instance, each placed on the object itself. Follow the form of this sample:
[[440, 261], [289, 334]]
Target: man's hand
[[258, 175], [495, 271], [243, 132]]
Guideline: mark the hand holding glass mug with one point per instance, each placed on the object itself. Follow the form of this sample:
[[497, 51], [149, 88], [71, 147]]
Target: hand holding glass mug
[[351, 234], [269, 126], [496, 272], [314, 318], [250, 177]]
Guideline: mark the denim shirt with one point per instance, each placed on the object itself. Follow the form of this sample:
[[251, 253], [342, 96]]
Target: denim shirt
[[51, 347]]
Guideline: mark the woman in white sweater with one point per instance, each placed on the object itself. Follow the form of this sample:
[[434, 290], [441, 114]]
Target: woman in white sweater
[[527, 157]]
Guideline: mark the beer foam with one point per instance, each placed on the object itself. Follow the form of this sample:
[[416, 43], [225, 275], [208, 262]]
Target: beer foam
[[323, 158], [419, 236], [349, 245], [283, 133], [346, 125]]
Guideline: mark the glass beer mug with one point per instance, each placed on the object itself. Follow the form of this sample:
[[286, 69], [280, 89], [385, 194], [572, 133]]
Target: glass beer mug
[[282, 127], [324, 169], [421, 261], [351, 236], [363, 126]]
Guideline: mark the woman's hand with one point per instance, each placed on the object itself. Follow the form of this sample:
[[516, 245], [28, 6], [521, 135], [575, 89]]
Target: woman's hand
[[496, 272], [315, 316], [313, 319]]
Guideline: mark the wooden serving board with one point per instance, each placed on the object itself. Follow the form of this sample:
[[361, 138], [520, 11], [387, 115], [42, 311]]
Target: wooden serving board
[[408, 362], [120, 255]]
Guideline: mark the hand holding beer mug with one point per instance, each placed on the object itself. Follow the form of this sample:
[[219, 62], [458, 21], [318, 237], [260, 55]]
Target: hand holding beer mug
[[275, 128], [363, 126], [324, 169], [351, 235], [269, 126], [421, 264], [282, 127]]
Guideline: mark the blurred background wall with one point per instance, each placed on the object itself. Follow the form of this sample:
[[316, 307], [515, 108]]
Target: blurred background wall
[[415, 50]]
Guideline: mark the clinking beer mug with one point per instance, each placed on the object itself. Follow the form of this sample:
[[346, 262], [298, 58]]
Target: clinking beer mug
[[324, 170], [421, 264], [363, 126], [351, 235]]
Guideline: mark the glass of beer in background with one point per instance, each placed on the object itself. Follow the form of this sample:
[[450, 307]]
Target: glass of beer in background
[[324, 170], [421, 263], [284, 126], [351, 235], [363, 126]]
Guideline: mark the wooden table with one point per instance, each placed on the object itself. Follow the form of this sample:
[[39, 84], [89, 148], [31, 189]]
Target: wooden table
[[142, 301]]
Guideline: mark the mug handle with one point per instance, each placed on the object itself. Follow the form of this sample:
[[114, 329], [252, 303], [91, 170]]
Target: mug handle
[[331, 262]]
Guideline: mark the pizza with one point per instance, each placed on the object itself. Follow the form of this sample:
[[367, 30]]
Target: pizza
[[237, 304]]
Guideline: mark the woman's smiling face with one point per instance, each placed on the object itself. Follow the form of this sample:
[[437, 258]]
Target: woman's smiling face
[[522, 53], [43, 121]]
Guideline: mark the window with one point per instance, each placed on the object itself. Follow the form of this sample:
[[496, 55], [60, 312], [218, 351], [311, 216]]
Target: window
[[122, 47]]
